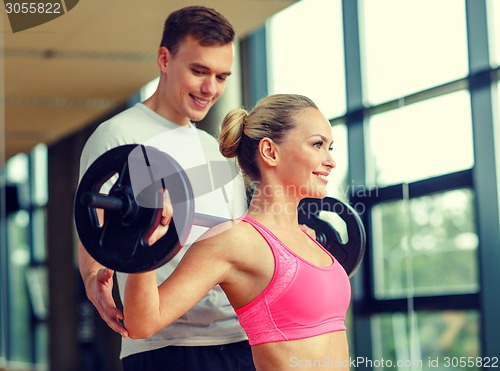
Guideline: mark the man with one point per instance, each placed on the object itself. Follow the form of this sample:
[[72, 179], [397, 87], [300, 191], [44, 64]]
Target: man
[[194, 59]]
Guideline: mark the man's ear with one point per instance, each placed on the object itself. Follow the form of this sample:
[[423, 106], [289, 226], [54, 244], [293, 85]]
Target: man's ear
[[268, 151], [164, 56]]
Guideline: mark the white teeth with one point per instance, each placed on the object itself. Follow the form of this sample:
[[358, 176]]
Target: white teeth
[[200, 101]]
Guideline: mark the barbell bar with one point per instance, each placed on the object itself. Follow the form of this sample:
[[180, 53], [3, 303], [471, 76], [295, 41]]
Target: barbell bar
[[134, 204]]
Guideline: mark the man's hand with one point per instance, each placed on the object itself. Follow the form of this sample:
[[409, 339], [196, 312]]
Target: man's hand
[[166, 218], [100, 293], [99, 286]]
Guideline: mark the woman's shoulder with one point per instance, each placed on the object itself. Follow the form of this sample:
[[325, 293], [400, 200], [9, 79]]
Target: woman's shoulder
[[224, 237], [227, 233]]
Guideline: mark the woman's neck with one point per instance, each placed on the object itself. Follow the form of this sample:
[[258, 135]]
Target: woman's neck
[[274, 204]]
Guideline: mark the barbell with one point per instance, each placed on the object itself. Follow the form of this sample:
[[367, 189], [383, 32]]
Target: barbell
[[349, 253], [134, 204]]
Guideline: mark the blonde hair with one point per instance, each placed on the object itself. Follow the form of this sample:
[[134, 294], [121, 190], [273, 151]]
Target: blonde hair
[[272, 117]]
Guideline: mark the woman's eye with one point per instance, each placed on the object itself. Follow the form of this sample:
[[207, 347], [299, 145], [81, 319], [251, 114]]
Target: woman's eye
[[318, 144]]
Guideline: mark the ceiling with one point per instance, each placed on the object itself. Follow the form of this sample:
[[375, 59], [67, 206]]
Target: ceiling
[[64, 74]]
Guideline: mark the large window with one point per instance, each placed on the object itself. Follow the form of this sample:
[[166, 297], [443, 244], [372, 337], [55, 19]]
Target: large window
[[426, 341], [18, 250], [312, 63], [410, 46], [408, 94], [425, 246], [421, 140], [305, 54], [494, 28], [24, 279], [420, 156]]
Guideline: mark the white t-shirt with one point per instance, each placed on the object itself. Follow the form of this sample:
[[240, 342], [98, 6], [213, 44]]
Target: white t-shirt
[[212, 321]]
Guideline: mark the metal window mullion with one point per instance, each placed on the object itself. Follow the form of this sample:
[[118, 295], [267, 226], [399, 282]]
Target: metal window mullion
[[442, 183], [254, 67], [4, 308], [357, 166], [485, 177]]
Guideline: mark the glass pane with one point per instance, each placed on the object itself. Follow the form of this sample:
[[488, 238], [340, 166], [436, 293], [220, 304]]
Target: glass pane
[[37, 279], [425, 246], [39, 193], [421, 140], [17, 169], [411, 45], [496, 116], [39, 230], [306, 55], [19, 332], [426, 341], [496, 109], [493, 9], [3, 295], [41, 344]]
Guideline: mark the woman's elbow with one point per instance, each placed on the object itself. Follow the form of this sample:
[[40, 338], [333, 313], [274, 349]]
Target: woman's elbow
[[140, 330], [139, 334], [139, 326]]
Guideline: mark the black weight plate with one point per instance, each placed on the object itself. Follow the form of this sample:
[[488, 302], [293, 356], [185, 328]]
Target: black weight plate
[[350, 254], [120, 243], [162, 171]]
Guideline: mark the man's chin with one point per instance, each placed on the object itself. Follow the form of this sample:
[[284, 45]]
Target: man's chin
[[197, 117]]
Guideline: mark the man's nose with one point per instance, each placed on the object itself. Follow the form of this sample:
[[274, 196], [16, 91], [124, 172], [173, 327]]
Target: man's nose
[[209, 86]]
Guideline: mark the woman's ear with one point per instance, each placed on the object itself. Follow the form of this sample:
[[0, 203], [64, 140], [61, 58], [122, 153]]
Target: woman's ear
[[268, 151], [164, 57]]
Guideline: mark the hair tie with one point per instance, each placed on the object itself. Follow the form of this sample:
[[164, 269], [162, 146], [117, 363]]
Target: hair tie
[[245, 120]]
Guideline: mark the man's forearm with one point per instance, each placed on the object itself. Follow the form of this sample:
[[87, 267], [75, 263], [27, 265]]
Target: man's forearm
[[87, 265]]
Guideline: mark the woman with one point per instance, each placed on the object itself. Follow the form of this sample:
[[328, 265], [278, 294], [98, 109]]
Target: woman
[[290, 294]]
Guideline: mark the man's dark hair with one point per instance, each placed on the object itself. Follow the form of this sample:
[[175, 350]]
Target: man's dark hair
[[205, 25]]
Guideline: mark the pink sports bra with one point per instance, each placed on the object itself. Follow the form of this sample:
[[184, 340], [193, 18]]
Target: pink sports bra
[[302, 300]]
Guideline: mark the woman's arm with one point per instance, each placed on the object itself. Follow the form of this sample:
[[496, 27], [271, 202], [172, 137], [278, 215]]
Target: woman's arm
[[140, 307], [148, 308]]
